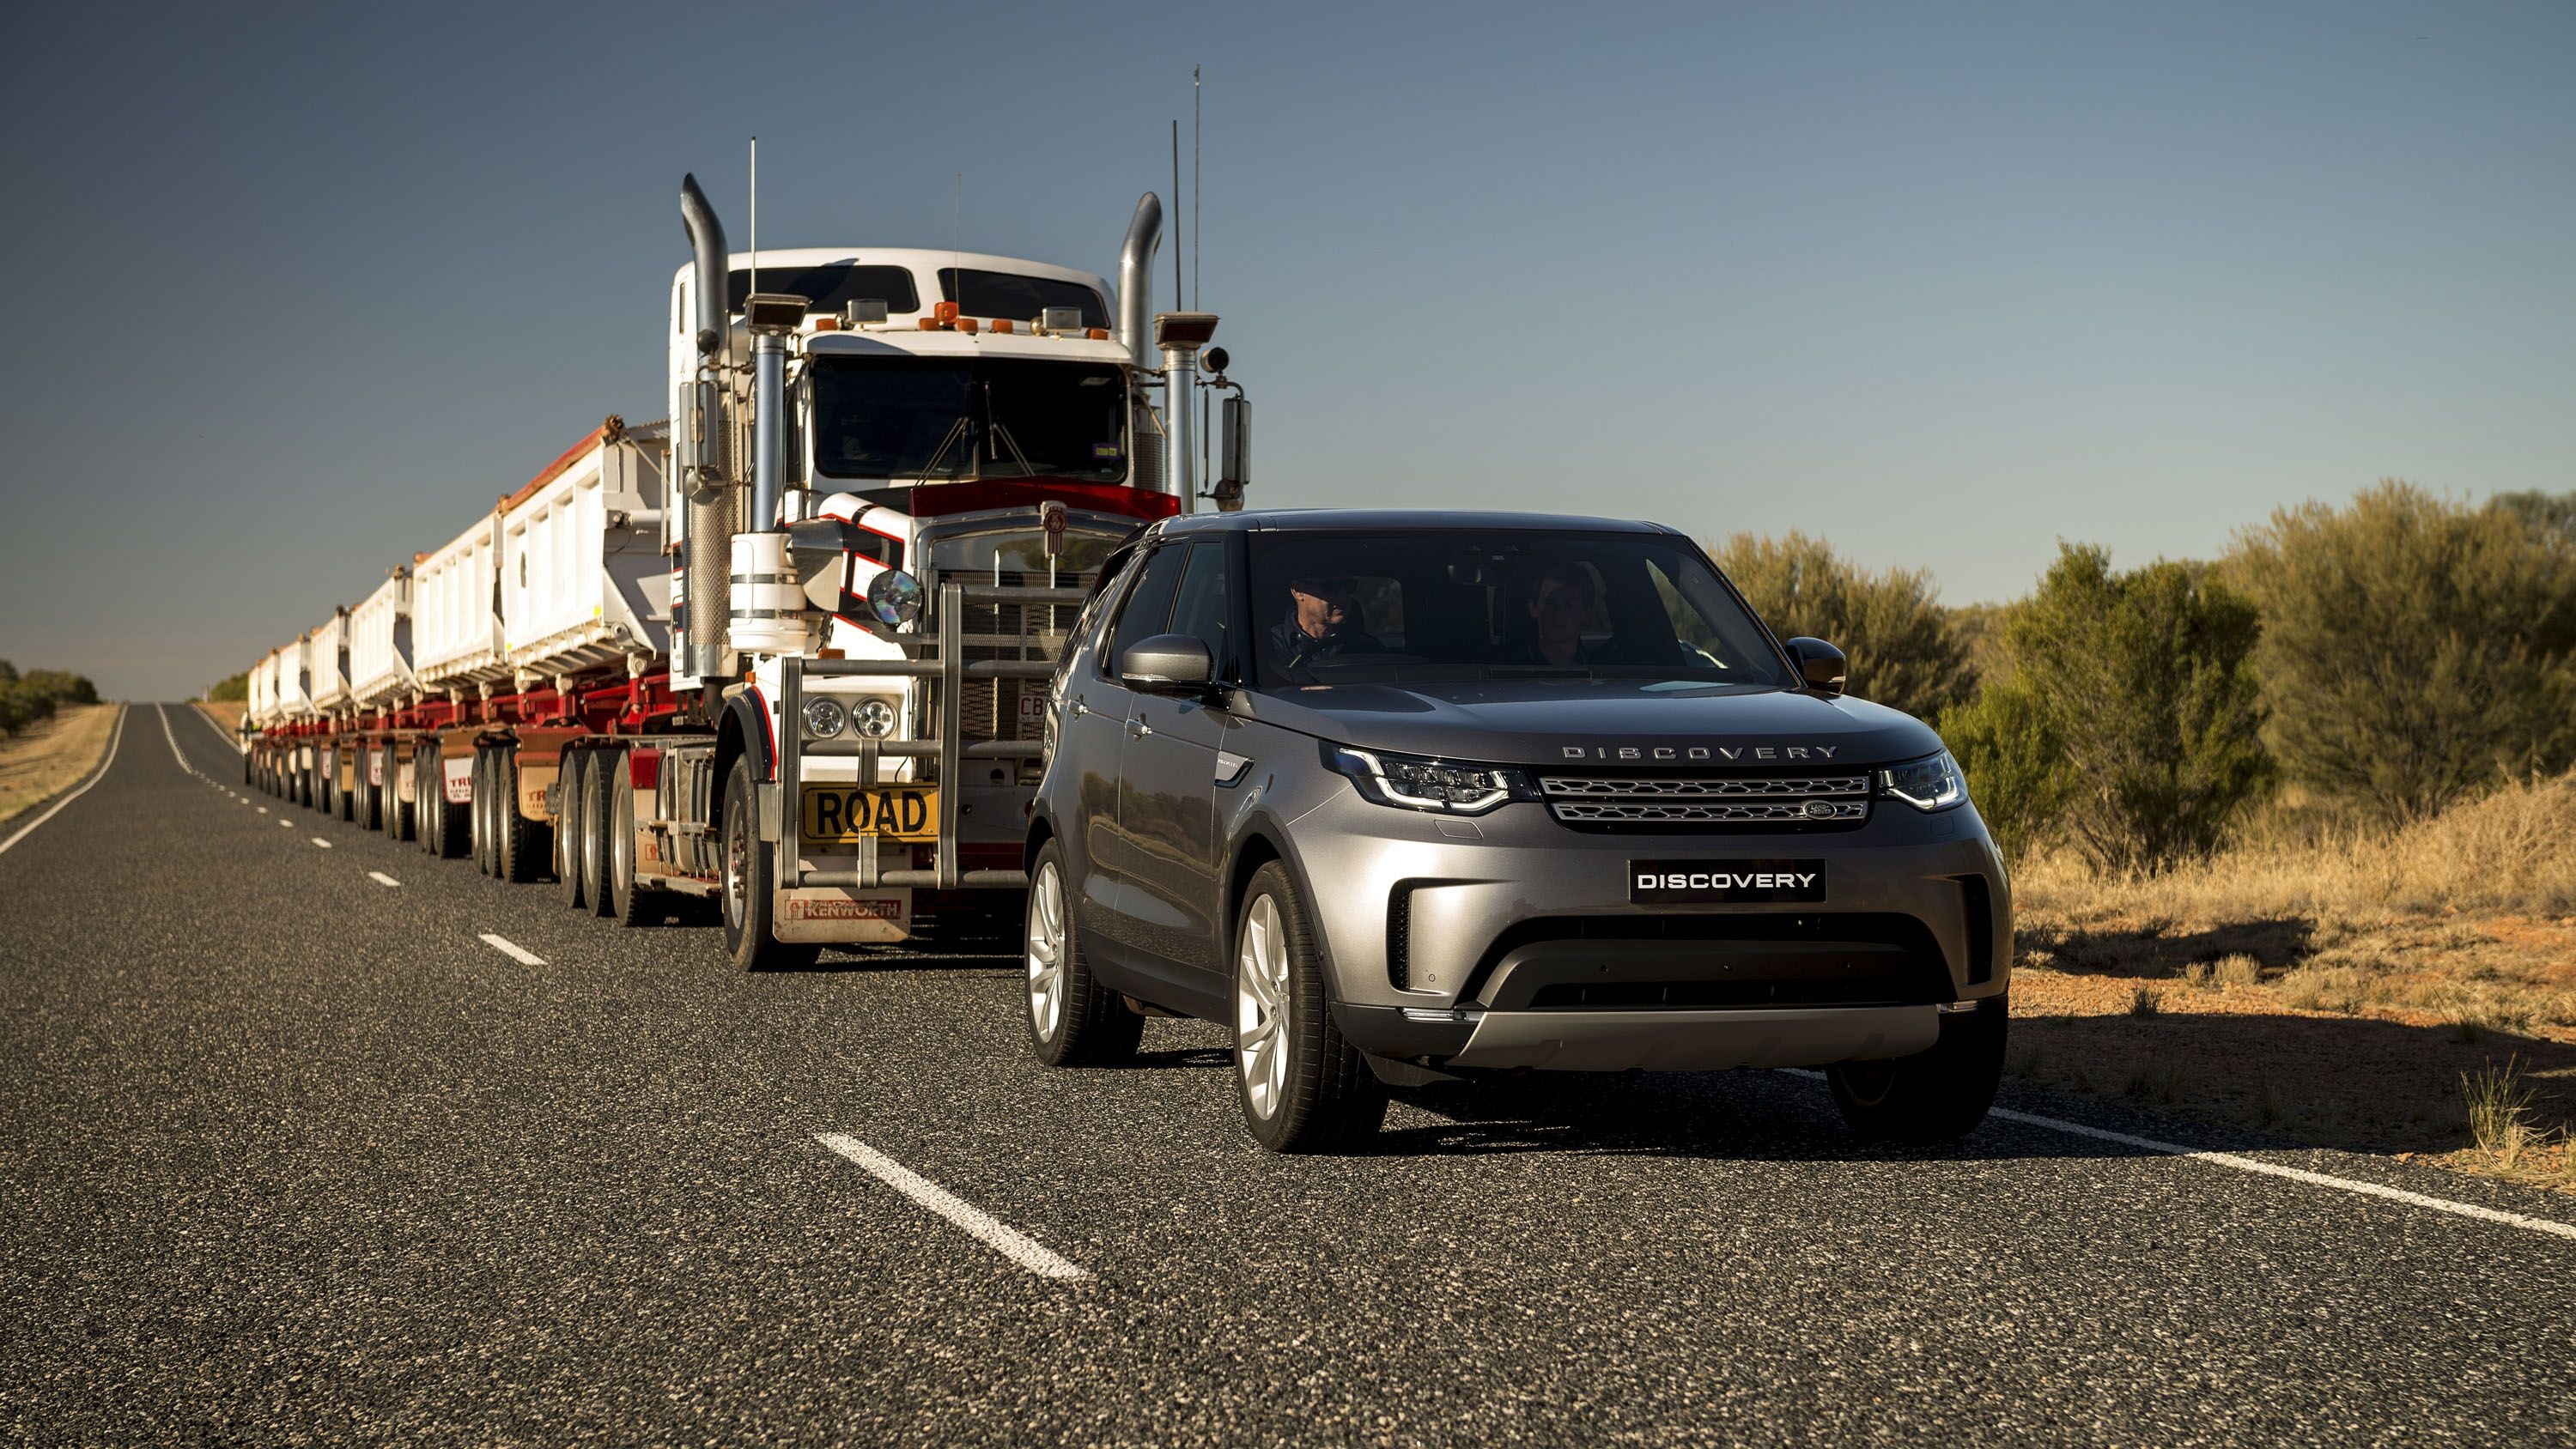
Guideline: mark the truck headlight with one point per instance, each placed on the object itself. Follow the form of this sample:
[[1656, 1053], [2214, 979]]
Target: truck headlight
[[1422, 784], [824, 717], [1928, 784], [875, 717]]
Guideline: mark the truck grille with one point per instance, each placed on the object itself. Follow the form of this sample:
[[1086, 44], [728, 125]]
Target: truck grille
[[1611, 802], [1006, 709]]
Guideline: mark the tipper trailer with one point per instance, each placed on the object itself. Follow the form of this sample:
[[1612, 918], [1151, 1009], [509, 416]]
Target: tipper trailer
[[787, 650]]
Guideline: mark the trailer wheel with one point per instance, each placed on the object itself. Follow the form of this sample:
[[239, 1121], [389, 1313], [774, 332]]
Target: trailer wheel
[[479, 816], [455, 822], [572, 788], [750, 885], [525, 845], [626, 890], [397, 828], [429, 812]]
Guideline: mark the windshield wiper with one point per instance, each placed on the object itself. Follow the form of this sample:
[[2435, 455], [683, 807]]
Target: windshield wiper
[[955, 431]]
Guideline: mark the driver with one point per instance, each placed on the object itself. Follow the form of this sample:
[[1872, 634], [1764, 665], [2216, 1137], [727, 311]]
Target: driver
[[1557, 609], [1323, 621]]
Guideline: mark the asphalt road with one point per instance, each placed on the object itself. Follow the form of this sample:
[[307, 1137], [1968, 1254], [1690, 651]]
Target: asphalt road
[[288, 1154]]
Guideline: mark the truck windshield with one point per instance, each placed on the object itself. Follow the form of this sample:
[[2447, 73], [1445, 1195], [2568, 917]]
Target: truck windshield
[[1424, 605], [946, 418]]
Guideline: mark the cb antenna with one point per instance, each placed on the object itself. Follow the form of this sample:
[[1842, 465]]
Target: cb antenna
[[755, 214], [1197, 275], [1177, 293]]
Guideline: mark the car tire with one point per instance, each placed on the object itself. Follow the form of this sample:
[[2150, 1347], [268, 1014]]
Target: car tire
[[627, 900], [1301, 1086], [748, 874], [1072, 1019], [572, 792], [1933, 1095]]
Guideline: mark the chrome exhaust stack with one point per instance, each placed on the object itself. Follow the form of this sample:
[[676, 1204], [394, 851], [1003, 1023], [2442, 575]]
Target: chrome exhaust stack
[[701, 431], [1136, 334]]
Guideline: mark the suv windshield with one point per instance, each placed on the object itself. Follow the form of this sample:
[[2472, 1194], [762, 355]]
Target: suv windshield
[[1469, 604], [920, 417]]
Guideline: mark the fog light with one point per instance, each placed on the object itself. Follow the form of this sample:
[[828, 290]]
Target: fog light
[[824, 717], [876, 717]]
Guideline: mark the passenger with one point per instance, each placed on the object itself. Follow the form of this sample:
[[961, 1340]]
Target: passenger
[[1323, 622], [1557, 612]]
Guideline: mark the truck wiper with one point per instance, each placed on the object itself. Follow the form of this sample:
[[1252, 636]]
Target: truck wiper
[[956, 430]]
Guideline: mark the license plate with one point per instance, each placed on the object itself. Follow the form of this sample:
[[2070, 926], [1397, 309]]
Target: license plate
[[847, 814], [1730, 882]]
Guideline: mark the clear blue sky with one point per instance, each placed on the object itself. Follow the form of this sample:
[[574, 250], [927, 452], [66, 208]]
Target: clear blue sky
[[295, 294]]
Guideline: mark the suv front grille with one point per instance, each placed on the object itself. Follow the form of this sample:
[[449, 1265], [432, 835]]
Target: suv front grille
[[1611, 802]]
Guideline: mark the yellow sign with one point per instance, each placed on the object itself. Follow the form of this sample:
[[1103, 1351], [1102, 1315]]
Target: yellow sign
[[848, 814]]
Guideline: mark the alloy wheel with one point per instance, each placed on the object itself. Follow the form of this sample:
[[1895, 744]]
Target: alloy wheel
[[1046, 951], [1261, 1008]]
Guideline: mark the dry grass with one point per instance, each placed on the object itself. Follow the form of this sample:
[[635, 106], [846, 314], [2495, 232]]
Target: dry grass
[[225, 712], [2330, 982], [52, 757]]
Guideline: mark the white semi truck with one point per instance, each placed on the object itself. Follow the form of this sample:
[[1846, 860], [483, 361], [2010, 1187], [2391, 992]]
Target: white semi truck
[[786, 650]]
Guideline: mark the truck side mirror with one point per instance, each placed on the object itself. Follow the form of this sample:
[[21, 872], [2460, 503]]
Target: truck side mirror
[[1820, 664], [1233, 453], [1167, 664]]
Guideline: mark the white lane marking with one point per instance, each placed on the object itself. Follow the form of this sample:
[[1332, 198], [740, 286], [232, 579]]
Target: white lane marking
[[264, 809], [116, 736], [286, 824], [2273, 1169], [318, 840], [523, 957], [175, 752], [380, 878], [1010, 1242], [238, 747], [2298, 1174]]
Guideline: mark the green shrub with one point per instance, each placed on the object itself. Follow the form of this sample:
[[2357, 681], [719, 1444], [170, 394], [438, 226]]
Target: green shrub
[[2015, 761], [31, 698], [2416, 650], [237, 687], [1904, 651], [2145, 680]]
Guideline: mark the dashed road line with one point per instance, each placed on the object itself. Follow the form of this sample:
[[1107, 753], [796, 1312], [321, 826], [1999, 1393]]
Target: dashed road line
[[264, 809], [116, 736], [1008, 1241], [382, 879], [516, 953], [318, 840]]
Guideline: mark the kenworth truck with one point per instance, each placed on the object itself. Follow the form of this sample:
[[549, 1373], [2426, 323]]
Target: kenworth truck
[[789, 648]]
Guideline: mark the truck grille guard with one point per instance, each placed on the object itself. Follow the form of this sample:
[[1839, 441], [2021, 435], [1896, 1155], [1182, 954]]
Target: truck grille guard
[[958, 678]]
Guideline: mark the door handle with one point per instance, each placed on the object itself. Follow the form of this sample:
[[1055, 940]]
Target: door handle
[[1137, 729], [1079, 708]]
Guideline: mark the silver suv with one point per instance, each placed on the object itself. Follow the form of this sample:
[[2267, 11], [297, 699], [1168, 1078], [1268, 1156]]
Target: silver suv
[[1412, 796]]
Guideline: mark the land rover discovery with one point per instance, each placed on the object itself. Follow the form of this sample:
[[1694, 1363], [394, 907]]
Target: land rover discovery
[[1400, 796]]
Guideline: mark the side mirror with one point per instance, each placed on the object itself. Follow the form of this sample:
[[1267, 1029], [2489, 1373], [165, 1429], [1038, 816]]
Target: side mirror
[[1167, 664], [1233, 453], [1820, 664]]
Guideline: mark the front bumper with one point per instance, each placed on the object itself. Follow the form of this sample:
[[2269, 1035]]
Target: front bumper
[[1508, 939], [1655, 1041]]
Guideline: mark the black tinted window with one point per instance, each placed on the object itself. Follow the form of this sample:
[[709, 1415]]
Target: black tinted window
[[1202, 610], [1149, 604], [832, 286], [1003, 294]]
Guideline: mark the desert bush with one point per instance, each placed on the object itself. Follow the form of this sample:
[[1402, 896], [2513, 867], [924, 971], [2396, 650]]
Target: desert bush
[[2007, 744], [31, 698], [2416, 650], [2145, 679], [236, 687], [1904, 650]]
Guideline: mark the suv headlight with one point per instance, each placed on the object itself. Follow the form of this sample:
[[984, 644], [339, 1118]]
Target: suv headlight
[[1420, 784], [824, 717], [1928, 784]]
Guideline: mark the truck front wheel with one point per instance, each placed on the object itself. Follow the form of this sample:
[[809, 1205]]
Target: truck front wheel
[[751, 885], [1933, 1095]]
